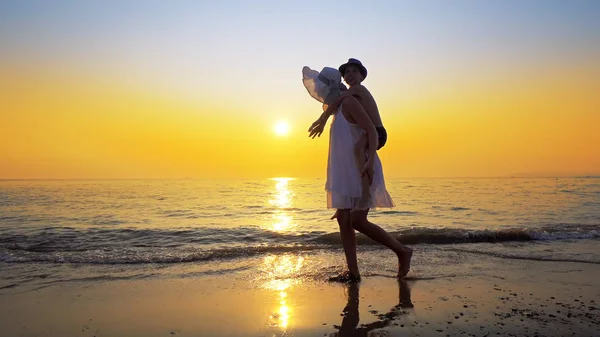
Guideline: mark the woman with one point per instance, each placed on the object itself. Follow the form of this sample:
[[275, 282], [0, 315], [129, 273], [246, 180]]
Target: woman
[[343, 185]]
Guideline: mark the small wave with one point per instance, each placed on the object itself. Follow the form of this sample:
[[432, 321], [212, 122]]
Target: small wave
[[281, 209], [108, 222], [11, 218], [178, 213], [522, 257], [487, 211], [253, 206], [218, 271], [460, 209], [455, 235], [128, 245], [131, 256], [399, 212]]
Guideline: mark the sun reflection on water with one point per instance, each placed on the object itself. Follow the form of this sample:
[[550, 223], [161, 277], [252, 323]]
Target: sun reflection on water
[[281, 270], [282, 200], [281, 222], [283, 196], [281, 274]]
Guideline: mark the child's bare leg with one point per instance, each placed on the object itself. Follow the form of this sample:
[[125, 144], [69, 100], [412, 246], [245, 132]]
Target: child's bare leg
[[360, 157]]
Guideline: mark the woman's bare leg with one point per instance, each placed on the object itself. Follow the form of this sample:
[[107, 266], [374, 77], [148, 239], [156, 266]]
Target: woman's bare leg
[[348, 237], [361, 224]]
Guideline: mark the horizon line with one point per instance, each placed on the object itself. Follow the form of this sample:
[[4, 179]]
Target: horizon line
[[317, 178]]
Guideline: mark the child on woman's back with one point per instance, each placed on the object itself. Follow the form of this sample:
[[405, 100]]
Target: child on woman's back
[[354, 73]]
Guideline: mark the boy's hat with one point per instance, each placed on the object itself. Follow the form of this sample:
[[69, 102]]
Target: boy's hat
[[324, 86], [351, 61]]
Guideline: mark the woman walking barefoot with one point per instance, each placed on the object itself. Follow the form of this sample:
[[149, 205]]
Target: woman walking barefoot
[[344, 190]]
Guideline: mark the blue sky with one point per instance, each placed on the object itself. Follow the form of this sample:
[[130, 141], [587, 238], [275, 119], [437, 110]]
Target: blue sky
[[228, 40]]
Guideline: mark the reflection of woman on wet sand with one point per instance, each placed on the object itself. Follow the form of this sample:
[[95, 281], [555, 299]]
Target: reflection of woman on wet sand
[[344, 188], [350, 328]]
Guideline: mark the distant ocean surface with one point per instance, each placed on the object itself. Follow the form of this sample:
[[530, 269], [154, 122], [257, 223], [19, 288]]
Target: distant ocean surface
[[54, 231]]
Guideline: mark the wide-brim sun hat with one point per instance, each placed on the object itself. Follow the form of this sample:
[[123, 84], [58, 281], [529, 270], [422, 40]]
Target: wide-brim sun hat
[[355, 62], [324, 86]]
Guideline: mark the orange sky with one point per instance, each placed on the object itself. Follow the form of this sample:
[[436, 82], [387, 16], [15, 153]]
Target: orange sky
[[59, 128], [462, 115]]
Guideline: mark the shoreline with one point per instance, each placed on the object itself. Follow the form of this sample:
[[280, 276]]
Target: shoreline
[[521, 298]]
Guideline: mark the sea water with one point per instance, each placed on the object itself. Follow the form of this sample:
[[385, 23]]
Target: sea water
[[57, 231]]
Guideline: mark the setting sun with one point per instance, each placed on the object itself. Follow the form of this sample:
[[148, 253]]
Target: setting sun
[[281, 128]]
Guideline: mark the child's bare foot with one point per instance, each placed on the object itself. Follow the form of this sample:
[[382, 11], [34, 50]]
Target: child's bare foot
[[404, 262]]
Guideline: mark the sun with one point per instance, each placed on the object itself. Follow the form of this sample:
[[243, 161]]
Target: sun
[[281, 128]]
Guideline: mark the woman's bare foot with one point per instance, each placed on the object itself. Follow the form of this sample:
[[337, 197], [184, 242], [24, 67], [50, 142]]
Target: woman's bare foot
[[345, 277], [404, 262]]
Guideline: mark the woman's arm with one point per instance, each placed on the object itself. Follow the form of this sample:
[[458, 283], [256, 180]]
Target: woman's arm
[[316, 129]]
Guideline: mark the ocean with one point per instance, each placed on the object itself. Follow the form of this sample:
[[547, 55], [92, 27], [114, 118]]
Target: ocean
[[58, 231]]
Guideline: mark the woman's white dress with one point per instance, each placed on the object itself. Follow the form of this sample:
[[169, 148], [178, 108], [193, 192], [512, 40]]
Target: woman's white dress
[[343, 184]]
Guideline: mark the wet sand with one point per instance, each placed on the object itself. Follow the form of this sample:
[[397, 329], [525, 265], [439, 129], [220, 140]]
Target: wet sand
[[522, 298]]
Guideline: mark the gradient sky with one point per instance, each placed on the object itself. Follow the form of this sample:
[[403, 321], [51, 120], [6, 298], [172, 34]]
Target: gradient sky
[[173, 89]]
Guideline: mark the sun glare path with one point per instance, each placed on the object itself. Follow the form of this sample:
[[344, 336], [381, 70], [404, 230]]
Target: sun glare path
[[282, 199], [281, 272]]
